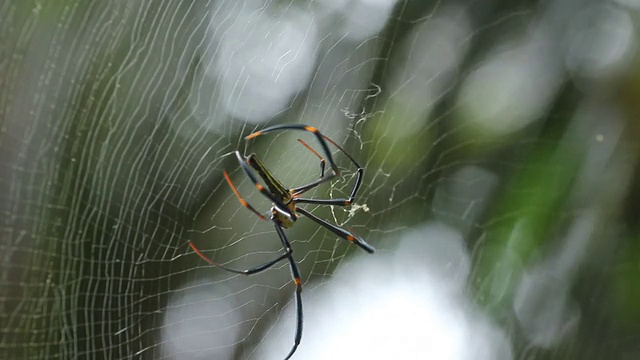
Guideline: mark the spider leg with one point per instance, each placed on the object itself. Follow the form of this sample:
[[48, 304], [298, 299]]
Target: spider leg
[[242, 201], [342, 233], [338, 202], [322, 139], [341, 201], [318, 135], [253, 270], [322, 161], [295, 275], [297, 191]]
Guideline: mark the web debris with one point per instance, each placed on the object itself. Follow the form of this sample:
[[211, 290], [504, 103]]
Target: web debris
[[362, 115]]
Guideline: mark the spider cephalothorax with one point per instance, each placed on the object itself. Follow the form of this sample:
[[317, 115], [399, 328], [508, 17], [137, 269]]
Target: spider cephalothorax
[[285, 211]]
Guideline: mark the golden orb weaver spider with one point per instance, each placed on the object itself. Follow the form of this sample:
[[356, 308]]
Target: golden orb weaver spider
[[284, 211]]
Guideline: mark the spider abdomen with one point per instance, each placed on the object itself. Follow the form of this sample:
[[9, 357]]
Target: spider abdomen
[[274, 185]]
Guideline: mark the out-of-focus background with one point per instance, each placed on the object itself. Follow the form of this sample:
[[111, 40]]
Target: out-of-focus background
[[500, 143]]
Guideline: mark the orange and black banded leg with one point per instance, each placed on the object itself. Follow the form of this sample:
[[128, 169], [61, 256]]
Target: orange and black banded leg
[[342, 233], [297, 281], [317, 134], [253, 270], [242, 201], [297, 191], [339, 201], [354, 190], [322, 160]]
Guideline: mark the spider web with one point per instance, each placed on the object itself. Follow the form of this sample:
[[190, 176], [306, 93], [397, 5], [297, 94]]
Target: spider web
[[500, 190]]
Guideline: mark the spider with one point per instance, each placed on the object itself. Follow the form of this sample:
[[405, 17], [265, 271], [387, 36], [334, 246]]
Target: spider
[[285, 211]]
